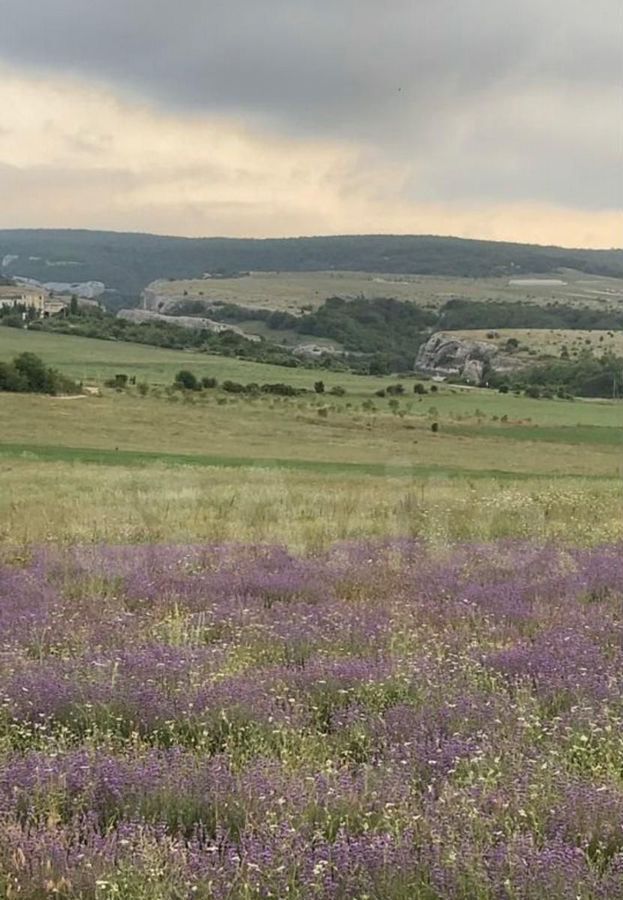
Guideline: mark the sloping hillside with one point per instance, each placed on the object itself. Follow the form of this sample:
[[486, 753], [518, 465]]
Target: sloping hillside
[[128, 262]]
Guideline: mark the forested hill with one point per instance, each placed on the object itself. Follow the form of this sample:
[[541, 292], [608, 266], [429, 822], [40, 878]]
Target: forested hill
[[128, 262]]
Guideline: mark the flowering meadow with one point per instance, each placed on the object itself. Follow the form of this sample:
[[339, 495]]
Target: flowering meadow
[[383, 720]]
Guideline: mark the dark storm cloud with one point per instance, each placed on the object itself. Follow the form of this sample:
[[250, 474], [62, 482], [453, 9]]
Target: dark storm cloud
[[407, 79]]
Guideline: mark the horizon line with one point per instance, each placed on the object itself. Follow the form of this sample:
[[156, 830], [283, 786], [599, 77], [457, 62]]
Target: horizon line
[[299, 237]]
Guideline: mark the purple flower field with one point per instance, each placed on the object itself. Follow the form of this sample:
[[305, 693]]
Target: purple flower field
[[386, 721]]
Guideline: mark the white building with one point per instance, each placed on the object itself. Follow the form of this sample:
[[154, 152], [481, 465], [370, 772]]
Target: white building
[[18, 295]]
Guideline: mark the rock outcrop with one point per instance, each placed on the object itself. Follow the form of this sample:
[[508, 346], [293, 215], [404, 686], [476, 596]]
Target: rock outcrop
[[145, 315], [314, 351], [445, 355]]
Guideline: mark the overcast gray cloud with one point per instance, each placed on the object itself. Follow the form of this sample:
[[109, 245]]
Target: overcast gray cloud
[[482, 99], [324, 63]]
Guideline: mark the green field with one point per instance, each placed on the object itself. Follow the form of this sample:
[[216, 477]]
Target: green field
[[93, 361], [307, 470]]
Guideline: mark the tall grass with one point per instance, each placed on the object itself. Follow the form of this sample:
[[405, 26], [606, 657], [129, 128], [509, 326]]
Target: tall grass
[[62, 502]]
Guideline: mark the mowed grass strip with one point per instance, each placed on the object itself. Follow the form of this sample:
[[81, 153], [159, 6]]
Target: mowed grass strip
[[562, 434], [141, 458]]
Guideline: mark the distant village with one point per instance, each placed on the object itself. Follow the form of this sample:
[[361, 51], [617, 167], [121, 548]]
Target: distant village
[[37, 302]]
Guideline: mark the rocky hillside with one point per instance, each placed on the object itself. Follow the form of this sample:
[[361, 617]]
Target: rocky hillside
[[141, 316], [445, 356]]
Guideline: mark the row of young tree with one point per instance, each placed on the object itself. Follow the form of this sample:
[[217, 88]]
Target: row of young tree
[[187, 381]]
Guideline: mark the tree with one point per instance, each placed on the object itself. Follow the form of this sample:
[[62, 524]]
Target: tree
[[33, 369], [186, 380], [11, 379], [74, 309], [28, 374]]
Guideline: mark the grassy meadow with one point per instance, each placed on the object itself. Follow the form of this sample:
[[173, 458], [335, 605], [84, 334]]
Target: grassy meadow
[[55, 501], [307, 470], [293, 290], [551, 341], [93, 361]]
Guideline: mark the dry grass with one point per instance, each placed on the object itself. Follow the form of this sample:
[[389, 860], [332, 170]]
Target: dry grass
[[215, 428], [356, 472], [293, 290], [550, 341], [86, 503]]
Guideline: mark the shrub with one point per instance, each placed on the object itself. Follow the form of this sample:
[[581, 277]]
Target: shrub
[[11, 379], [207, 382], [186, 381], [120, 381], [319, 387], [395, 390], [418, 388], [34, 371], [282, 390], [337, 391], [233, 387], [380, 393], [433, 388], [12, 321], [532, 391], [434, 427], [27, 373]]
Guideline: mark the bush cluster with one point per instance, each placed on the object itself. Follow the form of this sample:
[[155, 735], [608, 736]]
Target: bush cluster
[[586, 376], [28, 374], [458, 314], [386, 331], [188, 381]]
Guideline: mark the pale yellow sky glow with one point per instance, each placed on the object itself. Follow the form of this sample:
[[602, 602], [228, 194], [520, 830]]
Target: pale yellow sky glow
[[77, 155]]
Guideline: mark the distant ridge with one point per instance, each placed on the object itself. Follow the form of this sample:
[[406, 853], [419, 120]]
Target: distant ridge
[[127, 262]]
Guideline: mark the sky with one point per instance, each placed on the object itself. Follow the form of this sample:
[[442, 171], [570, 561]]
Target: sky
[[263, 118]]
